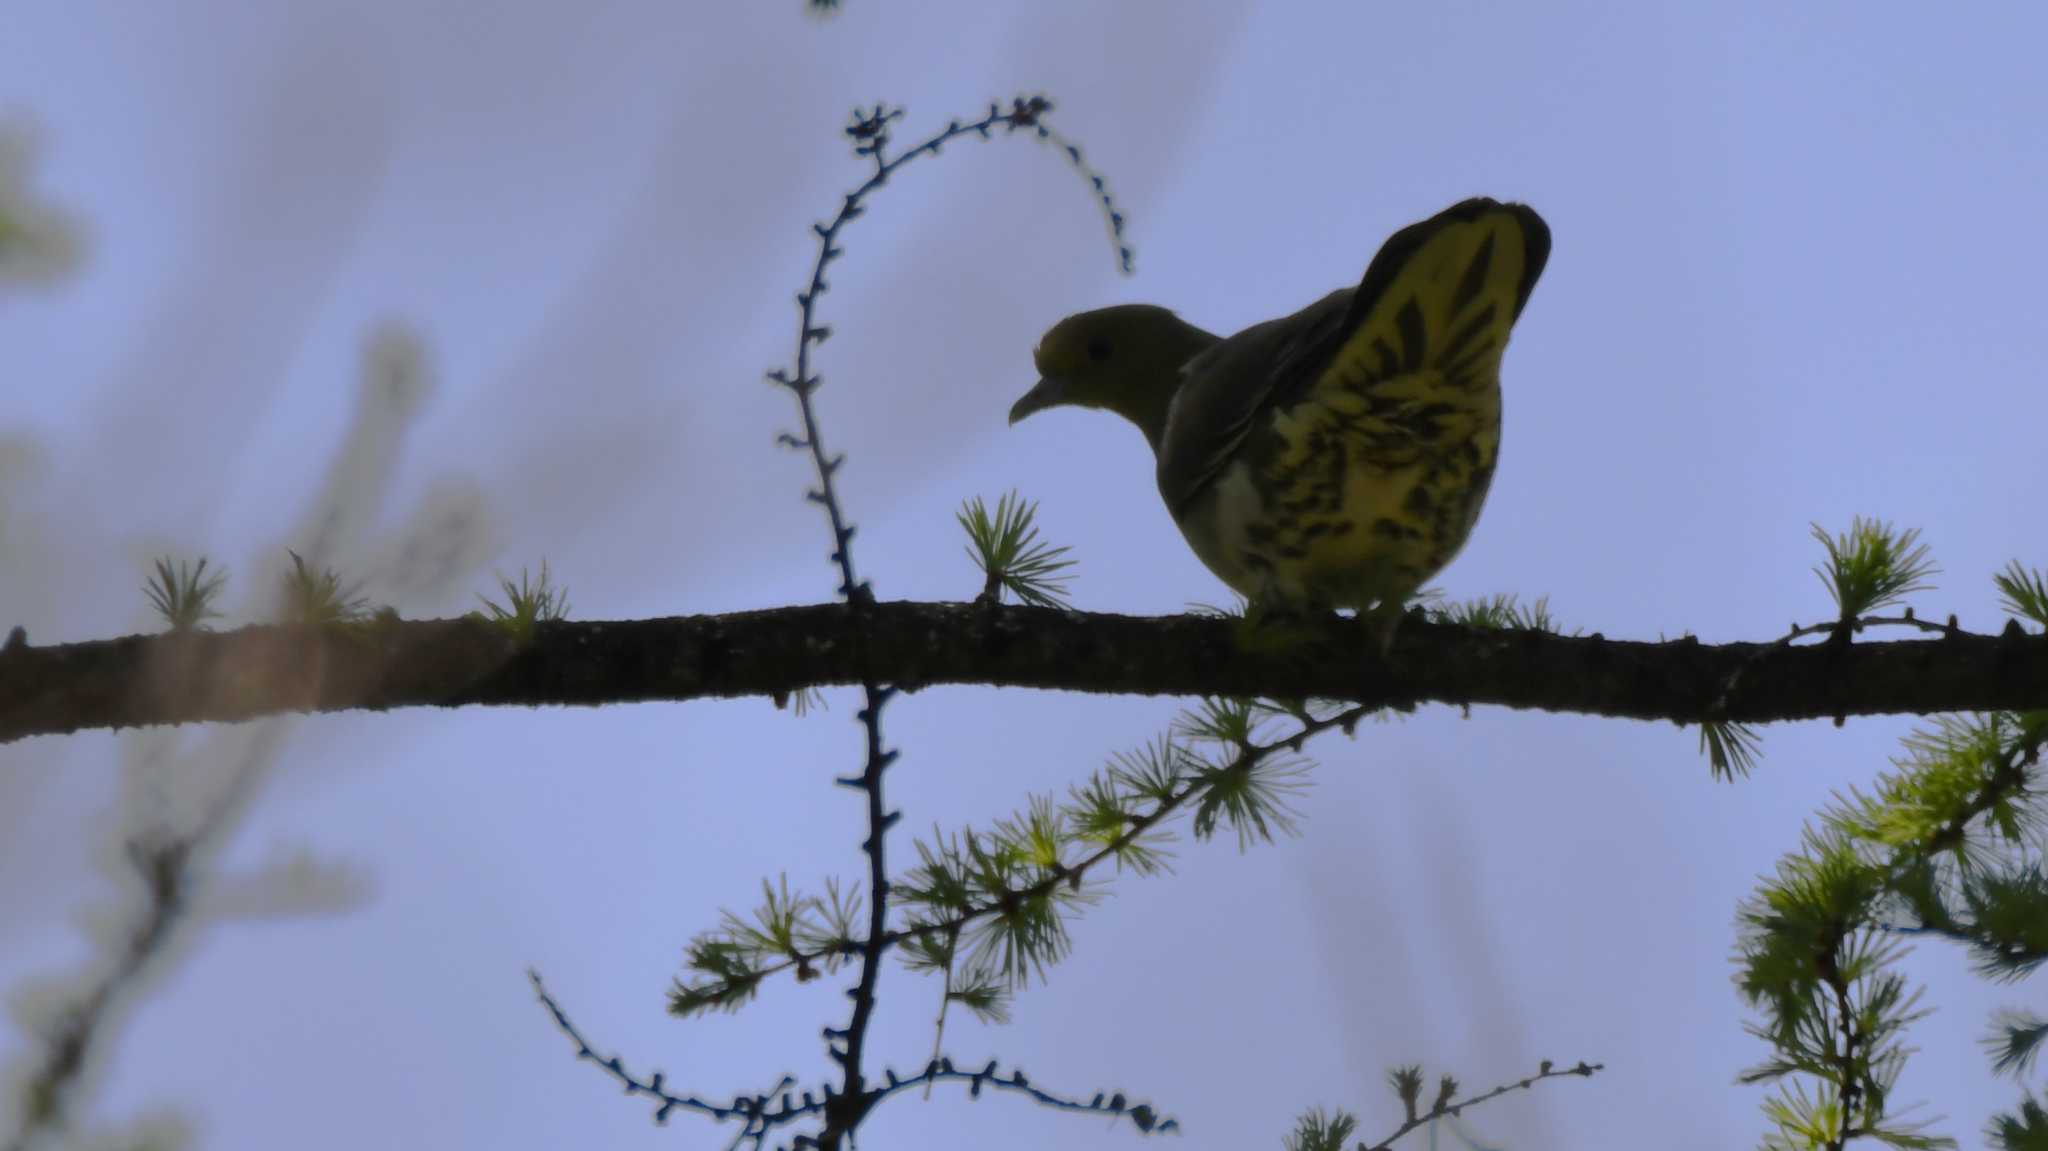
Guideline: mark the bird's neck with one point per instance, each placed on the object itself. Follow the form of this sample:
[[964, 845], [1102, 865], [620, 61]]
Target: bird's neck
[[1145, 397]]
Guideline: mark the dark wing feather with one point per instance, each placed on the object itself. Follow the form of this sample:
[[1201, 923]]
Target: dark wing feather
[[1229, 388]]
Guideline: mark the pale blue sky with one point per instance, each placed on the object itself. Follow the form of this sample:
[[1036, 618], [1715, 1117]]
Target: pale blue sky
[[1796, 278]]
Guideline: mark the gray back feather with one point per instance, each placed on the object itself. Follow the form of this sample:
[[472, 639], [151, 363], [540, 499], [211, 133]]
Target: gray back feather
[[1230, 391]]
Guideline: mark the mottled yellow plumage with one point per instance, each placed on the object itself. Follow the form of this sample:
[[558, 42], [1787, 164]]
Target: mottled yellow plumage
[[1337, 457]]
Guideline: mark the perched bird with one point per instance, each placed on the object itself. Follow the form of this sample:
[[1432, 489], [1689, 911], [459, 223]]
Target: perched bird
[[1337, 457]]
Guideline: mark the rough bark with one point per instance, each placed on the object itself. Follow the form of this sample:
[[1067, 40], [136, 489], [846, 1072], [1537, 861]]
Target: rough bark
[[255, 671]]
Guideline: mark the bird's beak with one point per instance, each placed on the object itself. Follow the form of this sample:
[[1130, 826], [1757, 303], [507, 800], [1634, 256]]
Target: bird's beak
[[1047, 393]]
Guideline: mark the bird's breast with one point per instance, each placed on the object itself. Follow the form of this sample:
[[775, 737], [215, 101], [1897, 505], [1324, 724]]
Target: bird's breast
[[1348, 499]]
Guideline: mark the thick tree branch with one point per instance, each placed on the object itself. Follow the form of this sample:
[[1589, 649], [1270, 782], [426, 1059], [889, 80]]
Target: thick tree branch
[[239, 675]]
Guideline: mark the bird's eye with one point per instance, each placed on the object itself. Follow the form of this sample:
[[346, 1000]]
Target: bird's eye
[[1098, 350]]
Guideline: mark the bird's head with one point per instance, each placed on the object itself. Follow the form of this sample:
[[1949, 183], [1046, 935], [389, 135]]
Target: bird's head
[[1126, 359]]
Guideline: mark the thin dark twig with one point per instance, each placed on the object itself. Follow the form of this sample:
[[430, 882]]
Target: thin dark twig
[[844, 1109], [170, 878], [755, 1112], [1834, 630], [1452, 1107], [761, 1114], [870, 134], [70, 1048], [1112, 1104]]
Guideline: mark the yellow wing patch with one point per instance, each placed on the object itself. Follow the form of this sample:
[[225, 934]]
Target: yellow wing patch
[[1456, 284], [1385, 456]]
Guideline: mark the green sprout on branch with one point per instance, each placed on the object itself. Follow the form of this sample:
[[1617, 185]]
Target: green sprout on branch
[[2023, 592], [185, 596], [316, 599], [1216, 720], [1006, 547], [1322, 1131], [1011, 882], [1107, 813], [2022, 1132], [1730, 748], [800, 702], [2017, 1037], [1502, 612], [527, 604], [1873, 566], [806, 932]]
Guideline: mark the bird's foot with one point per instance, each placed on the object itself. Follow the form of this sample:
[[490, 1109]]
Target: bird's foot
[[1383, 621], [1276, 628]]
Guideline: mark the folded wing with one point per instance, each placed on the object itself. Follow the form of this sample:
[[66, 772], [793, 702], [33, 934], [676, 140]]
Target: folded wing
[[1407, 358]]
